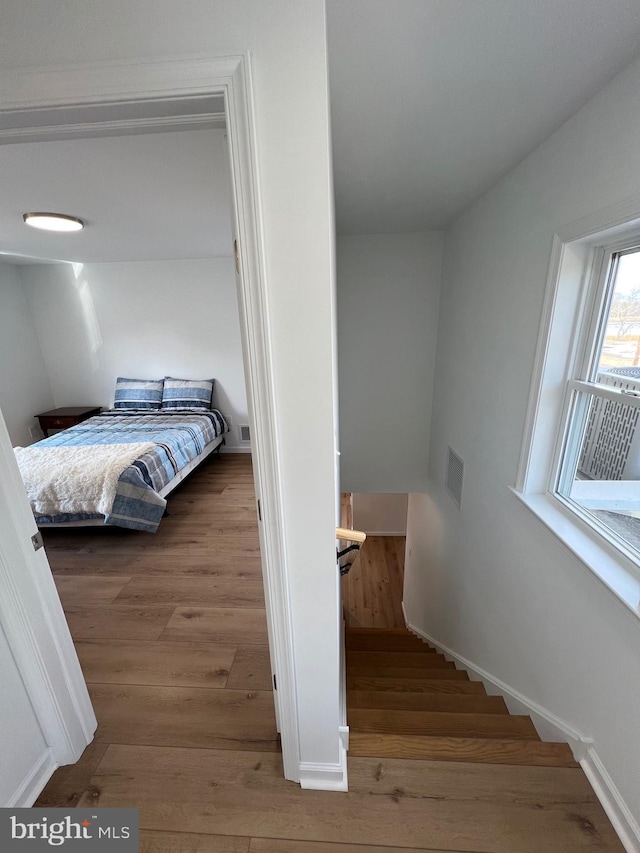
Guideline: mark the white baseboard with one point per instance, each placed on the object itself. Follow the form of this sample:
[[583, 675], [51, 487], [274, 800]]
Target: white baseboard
[[611, 800], [386, 532], [549, 726], [325, 777], [34, 782], [226, 448], [552, 728]]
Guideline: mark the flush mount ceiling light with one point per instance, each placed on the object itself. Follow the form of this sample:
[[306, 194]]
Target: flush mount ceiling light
[[53, 221]]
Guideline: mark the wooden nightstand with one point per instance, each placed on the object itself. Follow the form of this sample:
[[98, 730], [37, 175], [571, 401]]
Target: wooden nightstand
[[65, 417]]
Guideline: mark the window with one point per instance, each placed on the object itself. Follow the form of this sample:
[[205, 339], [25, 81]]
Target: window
[[599, 471], [580, 465]]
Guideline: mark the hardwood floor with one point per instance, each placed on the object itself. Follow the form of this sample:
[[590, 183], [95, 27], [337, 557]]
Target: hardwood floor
[[372, 591], [170, 628], [171, 633]]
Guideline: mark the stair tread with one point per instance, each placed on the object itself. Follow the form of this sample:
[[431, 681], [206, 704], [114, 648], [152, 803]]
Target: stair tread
[[388, 644], [441, 683], [476, 750], [399, 660], [441, 723], [426, 672], [405, 701]]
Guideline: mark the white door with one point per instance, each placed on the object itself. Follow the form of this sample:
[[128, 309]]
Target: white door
[[25, 757], [46, 718]]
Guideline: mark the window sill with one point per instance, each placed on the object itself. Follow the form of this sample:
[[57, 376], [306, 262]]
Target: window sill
[[615, 570]]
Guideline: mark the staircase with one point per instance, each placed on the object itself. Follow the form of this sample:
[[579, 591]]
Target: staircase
[[404, 700]]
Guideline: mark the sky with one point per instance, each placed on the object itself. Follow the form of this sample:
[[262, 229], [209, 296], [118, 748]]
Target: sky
[[628, 276]]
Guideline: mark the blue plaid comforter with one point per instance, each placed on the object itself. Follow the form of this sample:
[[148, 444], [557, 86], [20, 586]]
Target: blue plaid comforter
[[179, 438]]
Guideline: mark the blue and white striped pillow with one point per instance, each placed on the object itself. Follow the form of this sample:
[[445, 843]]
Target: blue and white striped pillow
[[187, 393], [138, 393]]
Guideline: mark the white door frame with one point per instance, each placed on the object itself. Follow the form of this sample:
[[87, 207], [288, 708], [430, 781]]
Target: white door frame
[[230, 76]]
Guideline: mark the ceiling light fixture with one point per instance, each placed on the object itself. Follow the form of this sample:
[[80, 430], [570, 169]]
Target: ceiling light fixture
[[53, 221]]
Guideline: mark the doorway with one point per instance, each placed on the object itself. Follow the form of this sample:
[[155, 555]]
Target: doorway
[[232, 87]]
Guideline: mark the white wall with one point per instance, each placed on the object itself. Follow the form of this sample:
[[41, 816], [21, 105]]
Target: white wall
[[287, 43], [381, 514], [388, 294], [489, 580], [146, 319], [24, 385]]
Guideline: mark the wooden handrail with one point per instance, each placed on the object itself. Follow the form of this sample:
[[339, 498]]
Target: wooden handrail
[[350, 535]]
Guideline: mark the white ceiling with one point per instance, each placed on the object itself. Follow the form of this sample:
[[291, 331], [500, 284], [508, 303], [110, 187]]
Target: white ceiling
[[143, 197], [433, 100]]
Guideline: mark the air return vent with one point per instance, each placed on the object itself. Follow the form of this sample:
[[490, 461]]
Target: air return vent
[[245, 434], [455, 474]]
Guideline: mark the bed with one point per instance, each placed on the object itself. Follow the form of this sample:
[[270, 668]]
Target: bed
[[118, 467]]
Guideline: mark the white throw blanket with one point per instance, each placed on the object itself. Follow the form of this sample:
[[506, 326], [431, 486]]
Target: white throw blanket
[[75, 479]]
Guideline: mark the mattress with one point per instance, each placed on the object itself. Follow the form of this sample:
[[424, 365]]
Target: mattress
[[175, 441]]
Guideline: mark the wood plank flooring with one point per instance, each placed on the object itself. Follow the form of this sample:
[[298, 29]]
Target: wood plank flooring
[[170, 628], [423, 805], [372, 591], [171, 633]]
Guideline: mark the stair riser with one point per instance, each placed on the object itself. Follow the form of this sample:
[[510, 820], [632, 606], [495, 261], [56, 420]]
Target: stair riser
[[413, 685], [407, 673], [441, 724], [404, 701], [472, 750], [366, 644], [397, 660]]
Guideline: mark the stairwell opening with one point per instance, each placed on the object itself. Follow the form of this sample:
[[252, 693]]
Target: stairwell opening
[[372, 590]]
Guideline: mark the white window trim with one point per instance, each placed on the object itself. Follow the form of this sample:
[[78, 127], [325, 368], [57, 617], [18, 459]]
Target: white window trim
[[570, 304]]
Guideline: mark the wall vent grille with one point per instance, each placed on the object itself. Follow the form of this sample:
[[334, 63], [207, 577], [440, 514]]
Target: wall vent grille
[[245, 432], [455, 475]]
